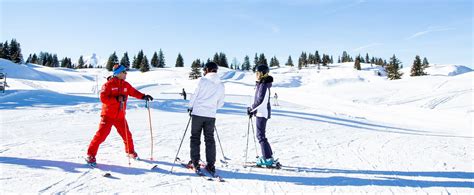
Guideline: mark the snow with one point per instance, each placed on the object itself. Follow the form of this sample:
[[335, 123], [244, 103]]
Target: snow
[[342, 130]]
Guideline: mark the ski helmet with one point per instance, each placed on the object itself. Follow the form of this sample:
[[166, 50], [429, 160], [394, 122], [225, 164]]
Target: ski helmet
[[211, 67], [263, 69]]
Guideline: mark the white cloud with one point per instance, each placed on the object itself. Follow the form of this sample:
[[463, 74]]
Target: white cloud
[[366, 46], [430, 30]]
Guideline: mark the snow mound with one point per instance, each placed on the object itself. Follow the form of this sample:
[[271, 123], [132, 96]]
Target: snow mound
[[447, 70], [40, 73]]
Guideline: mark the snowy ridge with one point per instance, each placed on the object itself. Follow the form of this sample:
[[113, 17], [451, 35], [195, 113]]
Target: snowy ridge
[[340, 130]]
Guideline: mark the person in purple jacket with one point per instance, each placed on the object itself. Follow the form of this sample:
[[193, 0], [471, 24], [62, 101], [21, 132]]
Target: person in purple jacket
[[262, 110]]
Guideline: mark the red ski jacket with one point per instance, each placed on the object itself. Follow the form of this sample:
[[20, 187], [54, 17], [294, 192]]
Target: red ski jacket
[[109, 94]]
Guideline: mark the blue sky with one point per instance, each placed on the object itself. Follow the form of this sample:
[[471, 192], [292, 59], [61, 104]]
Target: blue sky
[[441, 30]]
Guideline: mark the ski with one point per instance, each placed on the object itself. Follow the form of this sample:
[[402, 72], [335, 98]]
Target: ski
[[145, 163], [276, 165], [214, 175], [189, 167], [103, 173]]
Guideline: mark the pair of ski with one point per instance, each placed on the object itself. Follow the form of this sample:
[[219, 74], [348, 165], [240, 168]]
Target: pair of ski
[[104, 173], [275, 165], [207, 175]]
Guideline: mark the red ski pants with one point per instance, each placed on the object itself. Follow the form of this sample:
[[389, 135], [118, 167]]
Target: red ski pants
[[104, 129]]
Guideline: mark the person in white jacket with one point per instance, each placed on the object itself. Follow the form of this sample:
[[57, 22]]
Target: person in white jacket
[[207, 98]]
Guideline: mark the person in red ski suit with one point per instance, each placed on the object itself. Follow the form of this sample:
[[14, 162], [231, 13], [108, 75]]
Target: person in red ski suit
[[114, 95]]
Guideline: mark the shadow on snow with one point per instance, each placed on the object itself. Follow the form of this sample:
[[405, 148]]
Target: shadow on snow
[[383, 178]]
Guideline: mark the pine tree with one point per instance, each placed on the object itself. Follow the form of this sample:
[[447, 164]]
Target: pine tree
[[154, 60], [161, 59], [34, 59], [425, 63], [301, 60], [195, 69], [138, 61], [29, 59], [255, 62], [216, 58], [246, 64], [179, 61], [367, 60], [15, 52], [393, 68], [274, 62], [357, 63], [111, 61], [125, 61], [417, 68], [4, 48], [80, 63], [144, 66], [64, 62], [223, 60], [318, 58], [289, 62], [55, 61]]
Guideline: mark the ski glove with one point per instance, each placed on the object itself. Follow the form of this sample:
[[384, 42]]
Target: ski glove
[[190, 110], [249, 112], [120, 98], [147, 98]]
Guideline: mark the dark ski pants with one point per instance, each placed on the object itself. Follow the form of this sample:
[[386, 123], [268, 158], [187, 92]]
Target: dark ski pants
[[207, 124], [104, 130], [262, 139]]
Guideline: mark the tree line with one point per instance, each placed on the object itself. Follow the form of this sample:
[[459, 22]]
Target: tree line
[[12, 51]]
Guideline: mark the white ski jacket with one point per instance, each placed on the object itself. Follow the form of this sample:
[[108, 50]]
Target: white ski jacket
[[208, 96]]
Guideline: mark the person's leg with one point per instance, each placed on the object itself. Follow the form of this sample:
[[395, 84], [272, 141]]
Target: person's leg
[[100, 136], [209, 126], [262, 139], [122, 128], [195, 143]]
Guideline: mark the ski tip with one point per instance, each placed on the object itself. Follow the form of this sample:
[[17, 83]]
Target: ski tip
[[107, 175], [154, 167]]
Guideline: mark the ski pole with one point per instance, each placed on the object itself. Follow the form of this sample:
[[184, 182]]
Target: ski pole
[[179, 148], [222, 150], [122, 105], [247, 145], [151, 130], [254, 141]]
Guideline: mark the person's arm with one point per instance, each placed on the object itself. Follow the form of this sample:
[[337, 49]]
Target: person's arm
[[106, 95], [261, 95], [196, 93], [220, 102], [134, 92]]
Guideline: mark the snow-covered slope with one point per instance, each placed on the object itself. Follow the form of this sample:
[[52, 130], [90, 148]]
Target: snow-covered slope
[[336, 130]]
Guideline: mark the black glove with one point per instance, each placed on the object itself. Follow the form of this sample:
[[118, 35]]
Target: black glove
[[120, 98], [190, 110], [249, 112], [147, 98]]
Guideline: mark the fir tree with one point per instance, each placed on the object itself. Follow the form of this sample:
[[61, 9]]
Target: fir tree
[[15, 52], [161, 59], [55, 61], [425, 63], [125, 61], [216, 58], [318, 58], [154, 60], [138, 61], [179, 61], [223, 60], [246, 64], [29, 59], [195, 69], [274, 62], [393, 68], [289, 62], [80, 63], [2, 55], [357, 63], [367, 60], [144, 66], [417, 68], [34, 59], [113, 59], [255, 62]]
